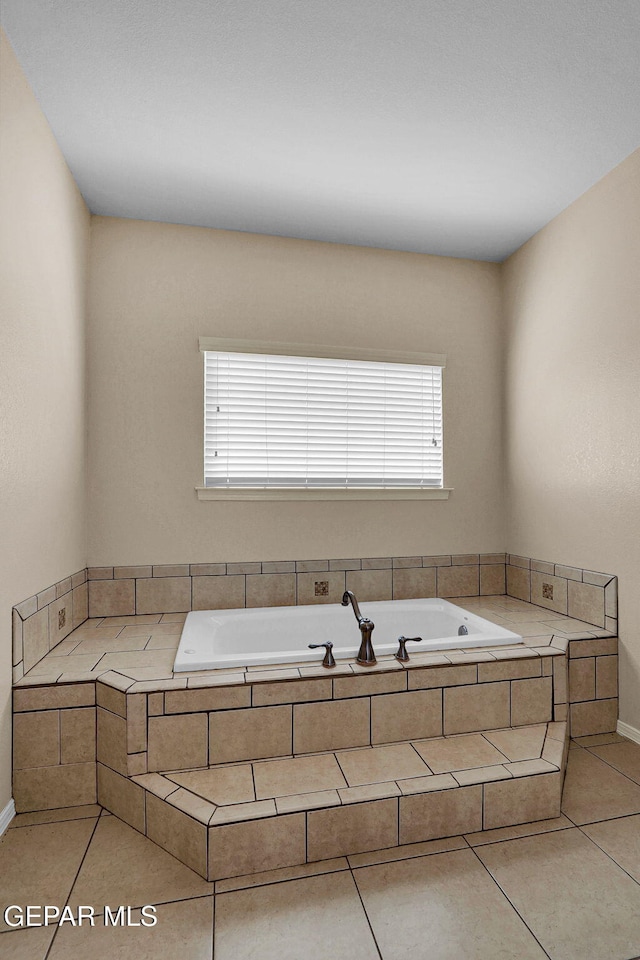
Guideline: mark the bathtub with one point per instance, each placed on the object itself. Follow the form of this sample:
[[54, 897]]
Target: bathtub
[[212, 639]]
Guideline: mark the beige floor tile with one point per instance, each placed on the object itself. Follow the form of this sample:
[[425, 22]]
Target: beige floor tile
[[458, 753], [597, 918], [406, 852], [38, 864], [519, 830], [443, 907], [122, 866], [183, 930], [394, 762], [316, 918], [281, 778], [284, 873], [220, 785], [27, 944], [620, 839], [56, 816], [595, 791], [597, 739], [625, 757], [525, 743]]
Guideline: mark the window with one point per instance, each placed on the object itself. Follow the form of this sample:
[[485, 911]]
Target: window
[[277, 419]]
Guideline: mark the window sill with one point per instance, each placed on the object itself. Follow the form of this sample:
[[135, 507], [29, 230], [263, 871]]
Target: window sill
[[353, 493]]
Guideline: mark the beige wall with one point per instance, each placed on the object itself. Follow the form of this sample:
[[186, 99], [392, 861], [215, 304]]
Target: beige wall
[[155, 288], [572, 302], [44, 238]]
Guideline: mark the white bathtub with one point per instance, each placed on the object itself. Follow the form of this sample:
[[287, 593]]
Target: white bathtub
[[265, 635]]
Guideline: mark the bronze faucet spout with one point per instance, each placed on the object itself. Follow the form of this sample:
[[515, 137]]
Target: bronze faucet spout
[[366, 655], [348, 597]]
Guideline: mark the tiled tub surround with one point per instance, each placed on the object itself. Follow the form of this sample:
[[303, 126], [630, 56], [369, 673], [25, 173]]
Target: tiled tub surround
[[333, 738], [179, 588], [569, 591], [45, 619], [125, 591], [112, 679]]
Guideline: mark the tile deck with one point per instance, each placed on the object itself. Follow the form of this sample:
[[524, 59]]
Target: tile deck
[[140, 649]]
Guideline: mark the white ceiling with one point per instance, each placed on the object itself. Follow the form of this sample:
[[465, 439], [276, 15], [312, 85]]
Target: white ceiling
[[454, 127]]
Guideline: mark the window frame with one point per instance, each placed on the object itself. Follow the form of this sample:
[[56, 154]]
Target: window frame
[[274, 348]]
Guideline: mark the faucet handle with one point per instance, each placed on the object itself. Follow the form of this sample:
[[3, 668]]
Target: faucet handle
[[402, 654], [329, 660]]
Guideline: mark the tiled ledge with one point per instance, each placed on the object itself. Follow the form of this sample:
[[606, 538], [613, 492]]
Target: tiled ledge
[[127, 591], [42, 621], [569, 591], [360, 800]]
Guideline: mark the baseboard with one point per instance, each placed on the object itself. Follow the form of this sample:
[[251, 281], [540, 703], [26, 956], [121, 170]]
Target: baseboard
[[7, 815], [626, 730]]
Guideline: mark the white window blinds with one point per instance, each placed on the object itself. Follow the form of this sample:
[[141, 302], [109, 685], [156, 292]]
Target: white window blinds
[[291, 421]]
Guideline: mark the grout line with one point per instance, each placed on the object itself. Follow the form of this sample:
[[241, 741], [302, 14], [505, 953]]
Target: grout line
[[613, 860], [511, 904], [253, 780], [592, 823], [355, 883], [588, 750], [213, 918], [75, 880]]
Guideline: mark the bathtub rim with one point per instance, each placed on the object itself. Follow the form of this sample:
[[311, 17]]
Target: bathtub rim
[[495, 635]]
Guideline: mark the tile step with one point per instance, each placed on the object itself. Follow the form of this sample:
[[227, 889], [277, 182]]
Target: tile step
[[243, 818]]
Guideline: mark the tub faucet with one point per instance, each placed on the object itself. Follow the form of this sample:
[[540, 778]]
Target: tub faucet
[[366, 656]]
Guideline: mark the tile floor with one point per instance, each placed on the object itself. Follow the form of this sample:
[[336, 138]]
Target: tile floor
[[565, 889]]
